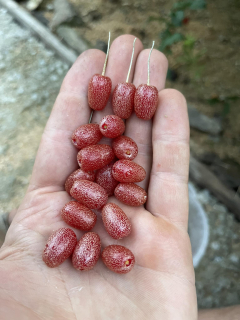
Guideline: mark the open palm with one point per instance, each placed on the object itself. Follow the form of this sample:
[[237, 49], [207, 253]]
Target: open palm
[[161, 285]]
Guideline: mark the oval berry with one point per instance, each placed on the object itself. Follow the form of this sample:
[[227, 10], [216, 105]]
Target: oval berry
[[145, 101], [111, 126], [86, 135], [59, 247], [89, 193], [87, 252], [78, 216], [105, 179], [123, 99], [99, 90], [95, 157], [78, 175], [118, 259], [125, 148], [130, 194], [115, 221], [128, 171]]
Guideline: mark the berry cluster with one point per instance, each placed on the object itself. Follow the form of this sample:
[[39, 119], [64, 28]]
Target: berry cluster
[[102, 175]]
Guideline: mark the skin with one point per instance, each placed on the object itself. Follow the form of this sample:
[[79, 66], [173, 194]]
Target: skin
[[229, 313], [105, 179], [125, 148], [112, 126], [78, 175], [116, 221], [86, 135], [123, 99], [128, 171], [161, 285], [95, 157]]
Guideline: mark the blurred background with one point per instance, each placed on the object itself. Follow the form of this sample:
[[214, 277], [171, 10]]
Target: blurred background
[[201, 39]]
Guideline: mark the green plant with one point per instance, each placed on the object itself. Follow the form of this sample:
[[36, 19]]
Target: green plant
[[190, 57], [225, 102], [175, 19]]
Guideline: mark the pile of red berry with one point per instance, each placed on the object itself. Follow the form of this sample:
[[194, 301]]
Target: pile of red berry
[[102, 175]]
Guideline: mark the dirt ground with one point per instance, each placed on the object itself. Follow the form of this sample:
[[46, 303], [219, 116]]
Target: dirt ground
[[214, 76]]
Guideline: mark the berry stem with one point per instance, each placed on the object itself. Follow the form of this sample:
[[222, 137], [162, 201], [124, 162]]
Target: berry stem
[[129, 70], [148, 81], [105, 63], [90, 118]]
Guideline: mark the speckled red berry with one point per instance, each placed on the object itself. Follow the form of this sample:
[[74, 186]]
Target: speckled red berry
[[99, 90], [95, 157], [145, 101], [118, 259], [115, 221], [89, 194], [130, 194], [78, 175], [86, 135], [111, 126], [59, 247], [105, 179], [128, 171], [125, 148], [78, 216], [87, 252], [123, 99]]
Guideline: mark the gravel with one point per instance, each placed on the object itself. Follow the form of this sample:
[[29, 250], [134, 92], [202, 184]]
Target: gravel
[[218, 274], [31, 76]]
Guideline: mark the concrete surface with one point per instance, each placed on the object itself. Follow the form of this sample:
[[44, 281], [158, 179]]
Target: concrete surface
[[30, 80]]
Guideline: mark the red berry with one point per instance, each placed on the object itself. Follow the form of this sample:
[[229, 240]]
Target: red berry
[[115, 221], [111, 126], [123, 99], [86, 135], [78, 175], [128, 171], [89, 193], [95, 157], [125, 148], [78, 216], [59, 247], [185, 20], [145, 101], [105, 179], [118, 259], [99, 90], [87, 252], [130, 194]]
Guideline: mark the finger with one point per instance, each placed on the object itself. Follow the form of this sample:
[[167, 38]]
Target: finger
[[56, 157], [118, 64], [141, 130], [168, 189]]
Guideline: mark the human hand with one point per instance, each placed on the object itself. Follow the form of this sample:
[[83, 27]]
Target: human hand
[[161, 284], [227, 313]]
